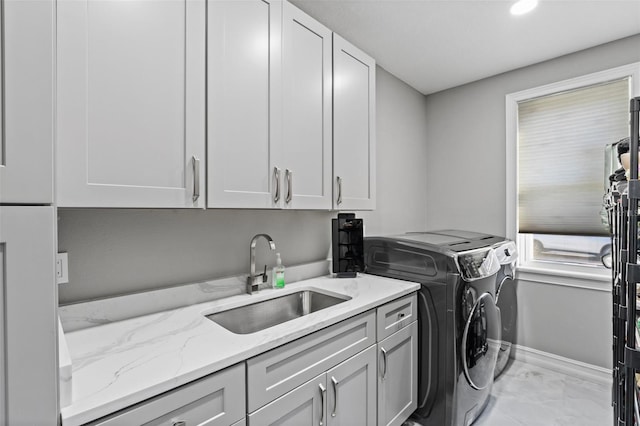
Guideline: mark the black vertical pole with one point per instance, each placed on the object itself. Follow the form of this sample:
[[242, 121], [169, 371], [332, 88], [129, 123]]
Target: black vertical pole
[[613, 227], [622, 296], [619, 250], [632, 261]]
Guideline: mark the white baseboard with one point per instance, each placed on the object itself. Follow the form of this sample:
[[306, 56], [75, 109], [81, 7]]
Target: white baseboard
[[561, 364]]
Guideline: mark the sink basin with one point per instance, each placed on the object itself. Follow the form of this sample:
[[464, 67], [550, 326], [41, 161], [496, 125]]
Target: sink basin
[[261, 315]]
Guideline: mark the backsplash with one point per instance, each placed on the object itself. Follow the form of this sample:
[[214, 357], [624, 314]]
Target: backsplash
[[119, 251]]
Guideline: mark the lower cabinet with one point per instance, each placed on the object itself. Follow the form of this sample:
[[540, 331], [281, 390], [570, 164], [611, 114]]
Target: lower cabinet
[[283, 369], [362, 371], [344, 395], [216, 400], [351, 391], [398, 376]]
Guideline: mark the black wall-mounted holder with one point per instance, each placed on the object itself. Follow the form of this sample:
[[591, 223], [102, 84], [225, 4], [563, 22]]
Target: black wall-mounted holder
[[347, 245]]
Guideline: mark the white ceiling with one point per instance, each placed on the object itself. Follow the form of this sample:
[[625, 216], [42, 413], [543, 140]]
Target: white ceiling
[[436, 44]]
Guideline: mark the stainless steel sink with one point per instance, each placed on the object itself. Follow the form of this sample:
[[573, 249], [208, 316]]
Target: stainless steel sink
[[261, 315]]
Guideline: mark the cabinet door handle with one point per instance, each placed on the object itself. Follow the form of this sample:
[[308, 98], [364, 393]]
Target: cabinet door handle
[[276, 176], [179, 423], [384, 359], [339, 179], [335, 395], [288, 175], [323, 391], [195, 161]]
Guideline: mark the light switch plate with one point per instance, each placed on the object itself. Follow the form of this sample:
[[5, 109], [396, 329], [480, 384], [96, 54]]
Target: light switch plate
[[62, 268]]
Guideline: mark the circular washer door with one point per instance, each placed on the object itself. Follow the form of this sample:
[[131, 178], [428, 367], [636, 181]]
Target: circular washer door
[[481, 342]]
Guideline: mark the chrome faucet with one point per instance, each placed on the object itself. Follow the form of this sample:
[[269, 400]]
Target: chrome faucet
[[253, 280]]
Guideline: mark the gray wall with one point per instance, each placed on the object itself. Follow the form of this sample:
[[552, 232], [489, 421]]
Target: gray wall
[[466, 188], [401, 159], [466, 137], [571, 322], [114, 251]]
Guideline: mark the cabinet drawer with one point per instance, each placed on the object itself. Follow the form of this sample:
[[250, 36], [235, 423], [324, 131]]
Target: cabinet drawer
[[280, 370], [217, 400], [395, 315]]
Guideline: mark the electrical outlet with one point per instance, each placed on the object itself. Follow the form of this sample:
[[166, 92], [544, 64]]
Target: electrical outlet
[[62, 268]]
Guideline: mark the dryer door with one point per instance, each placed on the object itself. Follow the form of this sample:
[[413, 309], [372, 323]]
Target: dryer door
[[481, 342]]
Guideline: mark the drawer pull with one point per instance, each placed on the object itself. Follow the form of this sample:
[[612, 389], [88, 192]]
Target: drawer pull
[[335, 395], [400, 316], [195, 161], [180, 423], [276, 177], [384, 359], [323, 390], [288, 176]]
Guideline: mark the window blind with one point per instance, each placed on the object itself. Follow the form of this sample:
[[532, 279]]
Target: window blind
[[561, 148]]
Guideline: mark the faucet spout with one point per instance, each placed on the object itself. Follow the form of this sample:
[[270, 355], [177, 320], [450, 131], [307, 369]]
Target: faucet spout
[[253, 280]]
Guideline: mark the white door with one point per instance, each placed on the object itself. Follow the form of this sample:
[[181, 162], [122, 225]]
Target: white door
[[26, 106], [352, 390], [131, 103], [244, 106], [303, 406], [354, 146], [307, 75], [28, 317], [398, 376]]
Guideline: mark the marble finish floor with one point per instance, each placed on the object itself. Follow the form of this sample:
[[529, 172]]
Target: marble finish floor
[[528, 395]]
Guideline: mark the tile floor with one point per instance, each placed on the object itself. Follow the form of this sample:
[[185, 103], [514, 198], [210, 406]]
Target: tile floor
[[527, 395]]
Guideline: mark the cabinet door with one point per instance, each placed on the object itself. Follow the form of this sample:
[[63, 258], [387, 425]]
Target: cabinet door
[[26, 105], [351, 394], [307, 72], [354, 146], [28, 317], [131, 103], [398, 376], [303, 406], [274, 373], [244, 114]]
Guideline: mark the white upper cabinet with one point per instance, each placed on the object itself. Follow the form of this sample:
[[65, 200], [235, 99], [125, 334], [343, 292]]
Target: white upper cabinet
[[354, 142], [244, 115], [289, 120], [131, 103], [307, 75], [26, 106], [269, 117]]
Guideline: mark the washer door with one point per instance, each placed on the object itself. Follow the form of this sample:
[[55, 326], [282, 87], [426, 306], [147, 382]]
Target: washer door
[[481, 342]]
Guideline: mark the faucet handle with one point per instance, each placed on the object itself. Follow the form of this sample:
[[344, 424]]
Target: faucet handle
[[264, 274]]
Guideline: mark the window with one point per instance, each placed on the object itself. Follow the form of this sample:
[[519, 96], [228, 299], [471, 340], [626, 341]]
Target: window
[[556, 139]]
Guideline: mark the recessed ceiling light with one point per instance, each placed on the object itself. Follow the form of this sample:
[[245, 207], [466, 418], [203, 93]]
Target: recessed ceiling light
[[523, 6]]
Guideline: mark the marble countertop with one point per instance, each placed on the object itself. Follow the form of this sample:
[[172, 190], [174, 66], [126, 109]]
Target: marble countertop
[[119, 364]]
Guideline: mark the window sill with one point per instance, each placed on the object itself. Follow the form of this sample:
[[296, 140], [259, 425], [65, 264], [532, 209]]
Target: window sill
[[598, 280]]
